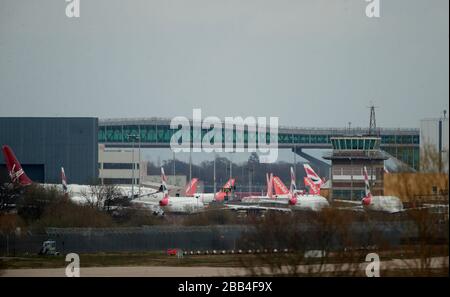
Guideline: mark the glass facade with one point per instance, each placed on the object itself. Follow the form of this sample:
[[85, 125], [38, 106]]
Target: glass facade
[[353, 143], [355, 195], [403, 147], [120, 165]]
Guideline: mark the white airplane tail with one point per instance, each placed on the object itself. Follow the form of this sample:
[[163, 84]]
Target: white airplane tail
[[293, 185], [63, 180], [165, 200], [164, 182], [367, 185]]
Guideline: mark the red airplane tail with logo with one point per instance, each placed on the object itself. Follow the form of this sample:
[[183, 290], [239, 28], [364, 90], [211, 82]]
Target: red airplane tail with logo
[[191, 187], [280, 187], [229, 184], [16, 173], [313, 188], [222, 193], [312, 175]]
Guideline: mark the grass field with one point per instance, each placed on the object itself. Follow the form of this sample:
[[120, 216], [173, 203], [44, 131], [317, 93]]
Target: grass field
[[121, 259], [162, 259]]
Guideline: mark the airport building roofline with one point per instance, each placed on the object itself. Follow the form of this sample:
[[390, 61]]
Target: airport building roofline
[[282, 128], [356, 155]]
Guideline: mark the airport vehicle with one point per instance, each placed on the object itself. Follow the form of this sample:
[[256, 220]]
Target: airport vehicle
[[49, 248], [390, 204]]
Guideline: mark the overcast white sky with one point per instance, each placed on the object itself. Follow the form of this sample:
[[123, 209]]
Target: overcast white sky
[[310, 62]]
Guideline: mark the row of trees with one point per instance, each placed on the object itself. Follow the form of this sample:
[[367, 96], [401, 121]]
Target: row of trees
[[37, 207], [326, 244]]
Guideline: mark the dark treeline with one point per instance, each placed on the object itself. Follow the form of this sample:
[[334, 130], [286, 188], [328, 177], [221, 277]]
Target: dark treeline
[[251, 171]]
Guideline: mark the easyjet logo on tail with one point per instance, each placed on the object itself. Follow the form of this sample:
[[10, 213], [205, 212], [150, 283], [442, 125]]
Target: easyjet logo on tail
[[229, 184], [191, 188], [280, 187]]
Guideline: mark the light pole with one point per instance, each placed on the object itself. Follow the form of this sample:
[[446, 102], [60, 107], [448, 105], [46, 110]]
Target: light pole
[[133, 137], [295, 163], [173, 169], [214, 177], [190, 165], [139, 162], [440, 141], [231, 167], [250, 177]]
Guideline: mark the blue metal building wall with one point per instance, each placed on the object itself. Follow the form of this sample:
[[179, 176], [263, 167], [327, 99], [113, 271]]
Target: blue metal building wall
[[54, 142]]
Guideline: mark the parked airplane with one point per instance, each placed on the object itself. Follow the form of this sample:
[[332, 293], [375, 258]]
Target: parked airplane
[[207, 198], [286, 196], [312, 201], [178, 204], [269, 197], [77, 193], [389, 204]]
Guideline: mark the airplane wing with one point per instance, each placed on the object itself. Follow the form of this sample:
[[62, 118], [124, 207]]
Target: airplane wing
[[359, 208], [347, 201], [151, 205], [256, 207], [156, 186]]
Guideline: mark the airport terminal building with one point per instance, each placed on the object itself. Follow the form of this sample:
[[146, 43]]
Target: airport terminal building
[[45, 144]]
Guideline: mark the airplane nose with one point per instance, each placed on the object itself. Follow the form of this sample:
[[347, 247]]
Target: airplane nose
[[164, 202], [293, 201], [366, 201]]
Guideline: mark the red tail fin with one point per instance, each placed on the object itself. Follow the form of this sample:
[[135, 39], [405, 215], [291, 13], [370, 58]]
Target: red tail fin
[[314, 189], [280, 187], [312, 175], [191, 187], [228, 185], [15, 170]]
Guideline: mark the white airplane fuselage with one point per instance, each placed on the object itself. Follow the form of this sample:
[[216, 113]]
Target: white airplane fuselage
[[82, 194], [311, 202], [390, 204], [183, 205], [205, 198]]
